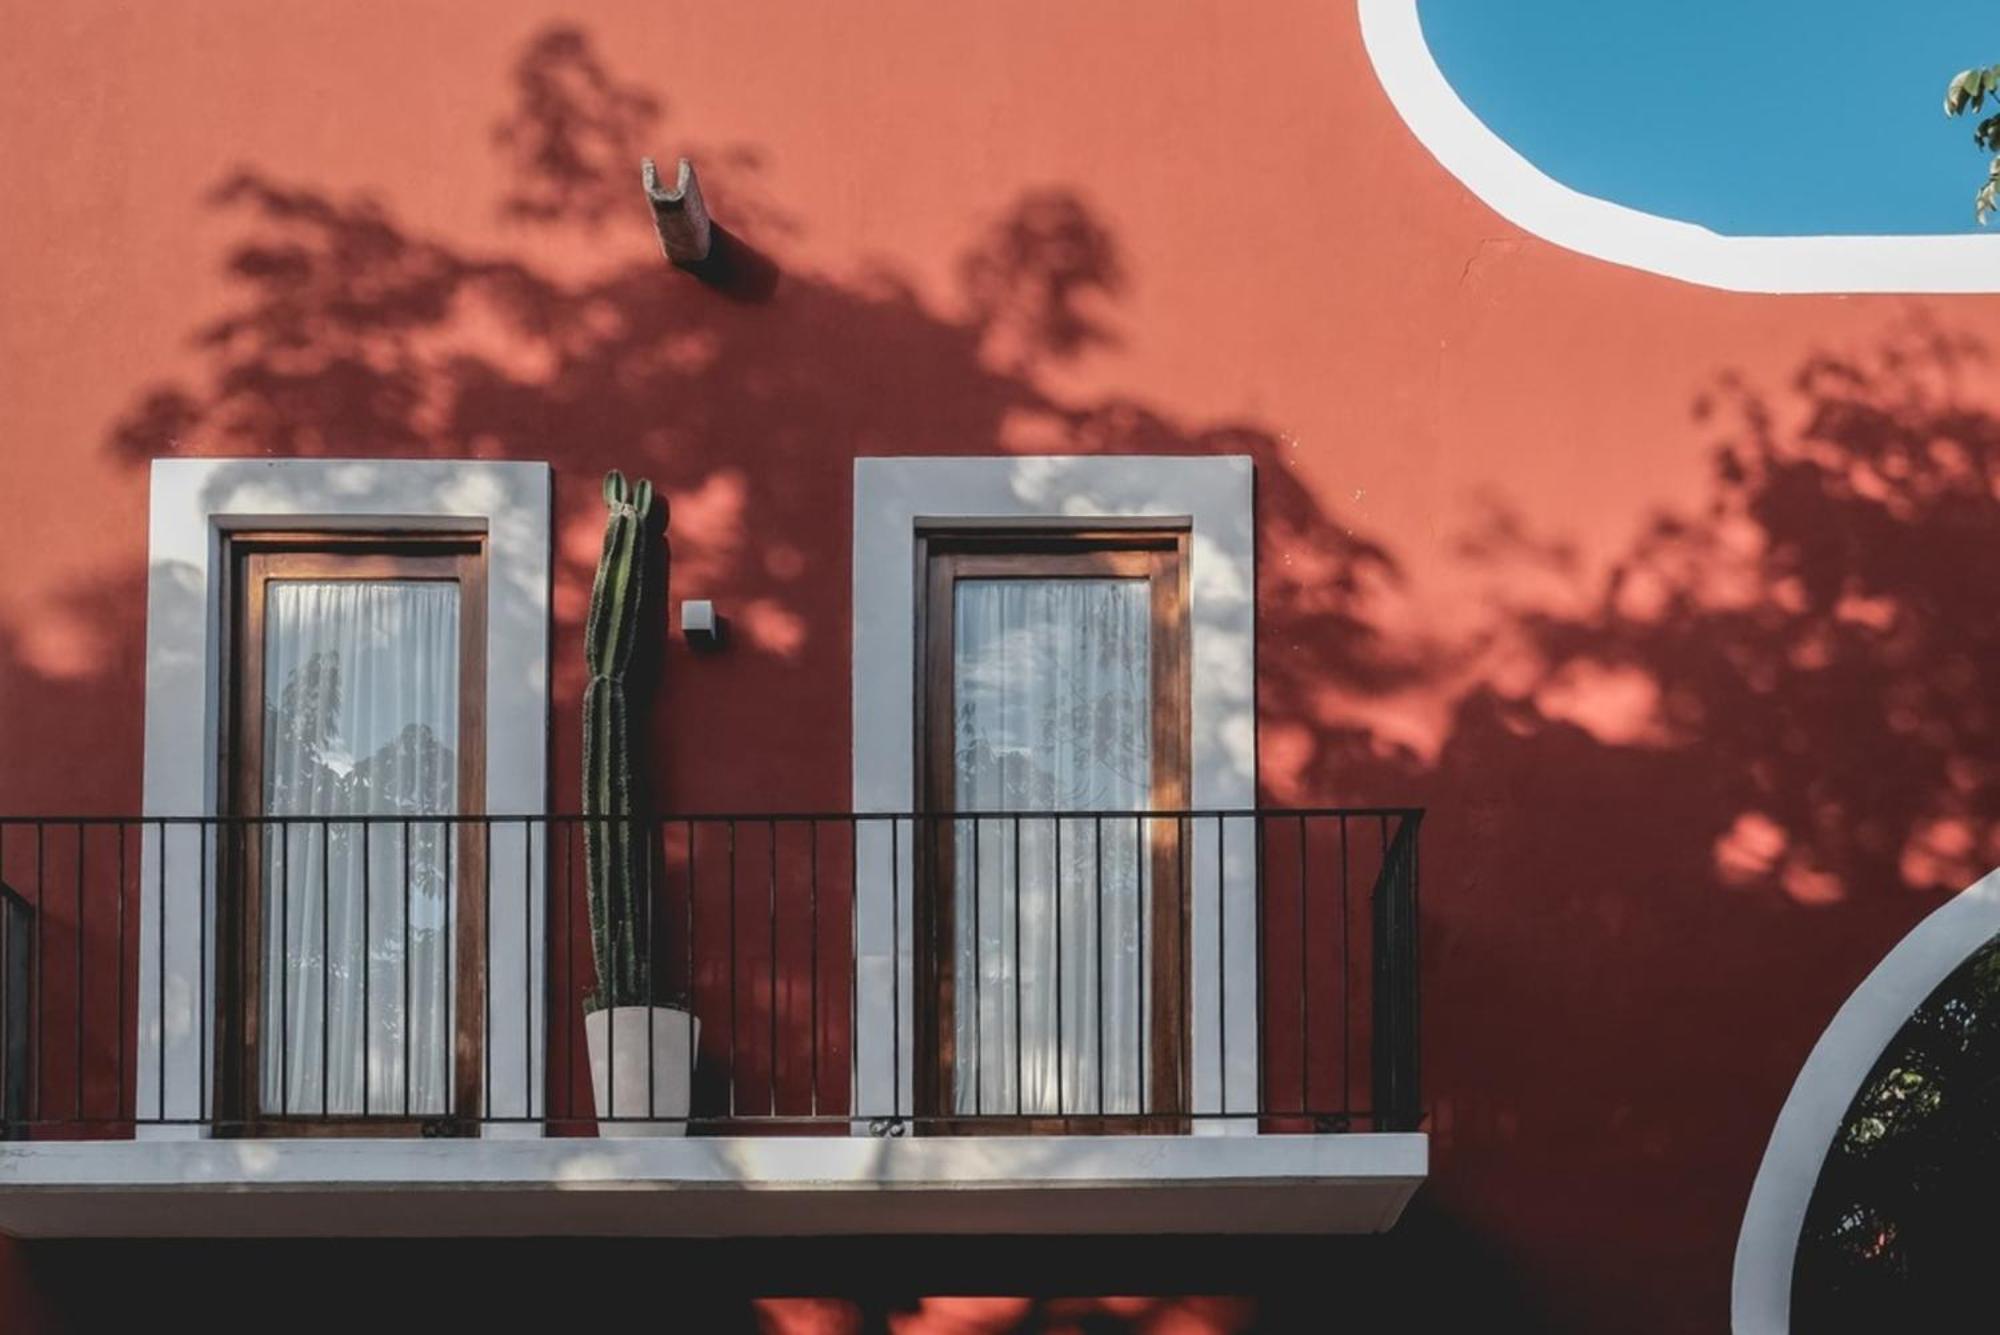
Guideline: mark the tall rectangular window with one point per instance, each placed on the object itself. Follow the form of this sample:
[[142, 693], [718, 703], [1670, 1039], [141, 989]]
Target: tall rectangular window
[[353, 946], [1054, 720]]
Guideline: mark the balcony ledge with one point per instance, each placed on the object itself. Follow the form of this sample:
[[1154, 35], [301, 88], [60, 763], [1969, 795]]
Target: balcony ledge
[[710, 1186]]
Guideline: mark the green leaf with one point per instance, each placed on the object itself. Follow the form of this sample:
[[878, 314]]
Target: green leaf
[[1954, 93], [1968, 91]]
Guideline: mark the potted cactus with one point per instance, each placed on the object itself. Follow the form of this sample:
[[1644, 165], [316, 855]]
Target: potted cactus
[[641, 1050]]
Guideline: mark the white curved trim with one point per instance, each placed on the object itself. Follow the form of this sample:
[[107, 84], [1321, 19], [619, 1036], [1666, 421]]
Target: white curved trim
[[1527, 197], [1761, 1293]]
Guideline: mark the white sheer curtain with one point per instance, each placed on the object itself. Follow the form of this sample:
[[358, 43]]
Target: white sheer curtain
[[360, 718], [1053, 702]]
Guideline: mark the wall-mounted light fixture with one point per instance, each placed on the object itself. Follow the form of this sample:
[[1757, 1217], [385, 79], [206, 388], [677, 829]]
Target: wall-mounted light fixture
[[704, 628]]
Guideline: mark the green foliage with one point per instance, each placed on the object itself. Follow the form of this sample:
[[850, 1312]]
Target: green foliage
[[1968, 92], [616, 858], [1901, 1227]]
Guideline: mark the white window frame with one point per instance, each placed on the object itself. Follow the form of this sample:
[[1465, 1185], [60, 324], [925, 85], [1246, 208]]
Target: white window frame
[[196, 503], [1213, 496]]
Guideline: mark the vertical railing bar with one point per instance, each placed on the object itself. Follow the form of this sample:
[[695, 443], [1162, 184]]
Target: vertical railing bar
[[7, 1054], [1020, 1082], [118, 1109], [1062, 1101], [896, 967], [8, 913], [1382, 1098], [20, 1063], [771, 937], [933, 922], [18, 1059], [1097, 859], [29, 1002], [285, 970], [812, 965], [609, 832], [291, 961], [1260, 825], [80, 856], [734, 1059], [201, 995], [409, 1026], [37, 1001], [853, 965], [20, 937], [38, 983], [528, 968], [1183, 864], [486, 974], [367, 930], [978, 968], [448, 1046], [1222, 963], [1412, 828], [325, 965], [693, 1030], [1409, 1106], [241, 1002], [1305, 1001], [1346, 980], [569, 967], [646, 944], [160, 904], [1142, 924]]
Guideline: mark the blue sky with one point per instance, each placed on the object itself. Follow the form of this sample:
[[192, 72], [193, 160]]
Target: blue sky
[[1747, 116]]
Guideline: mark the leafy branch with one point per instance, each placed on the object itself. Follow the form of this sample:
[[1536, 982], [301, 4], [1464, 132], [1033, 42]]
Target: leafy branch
[[1968, 92]]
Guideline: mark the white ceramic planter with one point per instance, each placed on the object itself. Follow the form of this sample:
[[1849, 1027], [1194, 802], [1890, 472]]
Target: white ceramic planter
[[627, 1045]]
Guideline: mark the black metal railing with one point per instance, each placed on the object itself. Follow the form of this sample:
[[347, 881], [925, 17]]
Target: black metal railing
[[16, 997], [880, 973]]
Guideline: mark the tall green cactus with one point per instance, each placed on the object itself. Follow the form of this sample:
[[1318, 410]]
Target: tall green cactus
[[615, 852]]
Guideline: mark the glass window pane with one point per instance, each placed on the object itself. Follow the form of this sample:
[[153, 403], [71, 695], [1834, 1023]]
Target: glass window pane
[[360, 719], [1053, 712]]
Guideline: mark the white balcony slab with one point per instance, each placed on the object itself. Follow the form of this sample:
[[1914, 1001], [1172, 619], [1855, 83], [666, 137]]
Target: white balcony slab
[[710, 1186]]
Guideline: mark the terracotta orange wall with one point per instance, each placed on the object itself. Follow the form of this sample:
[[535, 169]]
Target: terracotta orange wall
[[1611, 1021]]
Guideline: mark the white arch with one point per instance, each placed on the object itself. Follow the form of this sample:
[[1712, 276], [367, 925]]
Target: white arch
[[1761, 1293], [1520, 192]]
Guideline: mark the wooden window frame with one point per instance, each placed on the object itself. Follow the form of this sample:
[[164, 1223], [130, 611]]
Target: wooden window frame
[[945, 555], [253, 560]]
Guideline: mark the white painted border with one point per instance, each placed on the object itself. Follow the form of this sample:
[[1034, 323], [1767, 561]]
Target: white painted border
[[1520, 192], [1215, 494], [194, 502], [1767, 1247]]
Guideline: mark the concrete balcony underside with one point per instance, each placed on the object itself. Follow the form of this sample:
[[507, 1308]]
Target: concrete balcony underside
[[710, 1186]]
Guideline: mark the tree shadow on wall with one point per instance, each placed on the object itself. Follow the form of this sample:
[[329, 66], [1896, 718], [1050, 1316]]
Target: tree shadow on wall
[[1768, 729], [1776, 706], [351, 335], [354, 335]]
